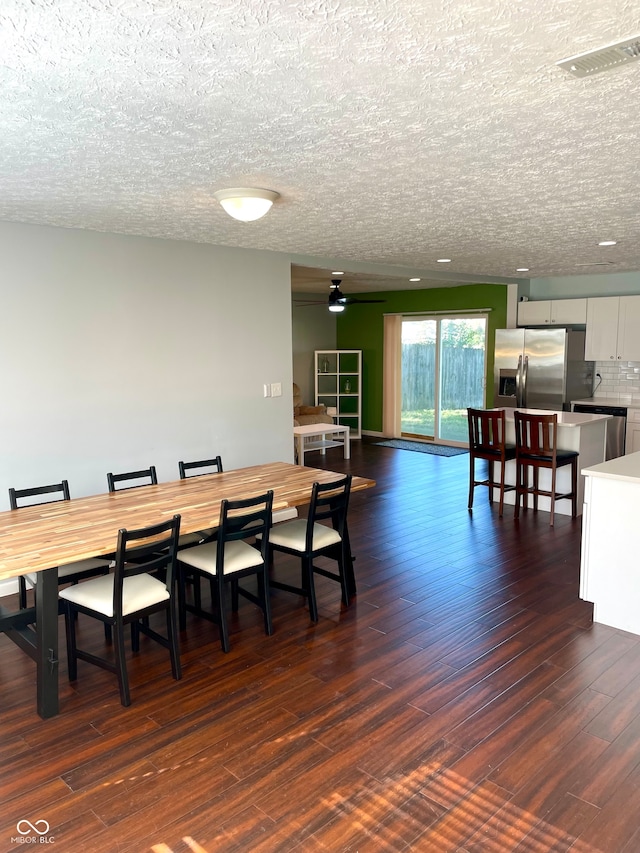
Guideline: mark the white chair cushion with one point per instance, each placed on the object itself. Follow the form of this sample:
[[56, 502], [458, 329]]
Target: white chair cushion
[[238, 556], [73, 569], [293, 534], [139, 592], [284, 514]]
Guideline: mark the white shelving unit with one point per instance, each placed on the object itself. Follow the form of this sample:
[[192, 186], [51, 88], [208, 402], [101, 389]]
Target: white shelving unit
[[338, 375]]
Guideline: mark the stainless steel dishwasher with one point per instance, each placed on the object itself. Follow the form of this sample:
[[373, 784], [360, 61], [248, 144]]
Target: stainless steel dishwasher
[[616, 426]]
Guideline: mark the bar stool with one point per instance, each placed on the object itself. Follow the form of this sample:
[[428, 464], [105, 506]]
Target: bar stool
[[486, 441], [536, 448]]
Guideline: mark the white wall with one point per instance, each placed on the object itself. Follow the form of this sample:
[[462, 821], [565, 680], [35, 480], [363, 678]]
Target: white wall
[[567, 287], [314, 327], [122, 352]]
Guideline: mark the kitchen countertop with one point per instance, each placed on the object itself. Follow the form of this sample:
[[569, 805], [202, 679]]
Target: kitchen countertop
[[617, 400], [625, 468], [569, 419]]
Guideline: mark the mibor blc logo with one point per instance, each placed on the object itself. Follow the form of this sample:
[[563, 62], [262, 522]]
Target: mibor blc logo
[[33, 833]]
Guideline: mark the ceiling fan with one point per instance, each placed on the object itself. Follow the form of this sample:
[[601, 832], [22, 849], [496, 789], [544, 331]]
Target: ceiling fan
[[338, 301]]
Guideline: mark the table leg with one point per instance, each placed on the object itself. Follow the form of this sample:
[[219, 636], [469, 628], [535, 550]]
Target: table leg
[[47, 643], [347, 446], [299, 449]]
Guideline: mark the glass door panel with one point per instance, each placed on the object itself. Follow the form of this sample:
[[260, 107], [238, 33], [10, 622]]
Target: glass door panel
[[462, 371], [418, 377], [443, 370]]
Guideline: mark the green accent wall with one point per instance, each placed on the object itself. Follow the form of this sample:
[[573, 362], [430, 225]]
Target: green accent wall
[[361, 327]]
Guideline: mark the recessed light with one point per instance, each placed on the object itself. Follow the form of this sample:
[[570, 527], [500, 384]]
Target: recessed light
[[338, 272], [414, 279], [444, 260], [607, 243], [522, 269]]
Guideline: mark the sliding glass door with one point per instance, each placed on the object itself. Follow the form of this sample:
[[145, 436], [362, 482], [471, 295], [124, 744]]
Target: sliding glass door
[[443, 370], [419, 337]]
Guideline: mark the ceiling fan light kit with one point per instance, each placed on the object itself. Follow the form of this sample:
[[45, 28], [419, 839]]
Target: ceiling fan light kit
[[246, 203], [338, 301]]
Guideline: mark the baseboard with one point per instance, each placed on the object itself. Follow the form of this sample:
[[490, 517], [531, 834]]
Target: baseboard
[[374, 433]]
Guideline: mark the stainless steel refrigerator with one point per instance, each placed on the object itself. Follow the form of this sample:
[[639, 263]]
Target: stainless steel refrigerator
[[540, 368]]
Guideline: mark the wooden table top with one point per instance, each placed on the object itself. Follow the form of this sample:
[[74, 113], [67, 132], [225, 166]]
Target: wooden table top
[[39, 537]]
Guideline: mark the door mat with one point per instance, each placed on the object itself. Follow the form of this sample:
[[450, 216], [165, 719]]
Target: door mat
[[422, 447]]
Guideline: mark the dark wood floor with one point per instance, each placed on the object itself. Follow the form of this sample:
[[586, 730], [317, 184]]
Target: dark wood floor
[[465, 702]]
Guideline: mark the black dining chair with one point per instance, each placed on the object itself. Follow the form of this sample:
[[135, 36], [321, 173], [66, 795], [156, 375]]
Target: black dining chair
[[201, 467], [130, 479], [71, 573], [309, 539], [129, 595], [229, 559]]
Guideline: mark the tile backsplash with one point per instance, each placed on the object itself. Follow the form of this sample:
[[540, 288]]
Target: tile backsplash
[[620, 381]]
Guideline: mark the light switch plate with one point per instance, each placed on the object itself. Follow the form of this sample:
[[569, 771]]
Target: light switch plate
[[276, 389]]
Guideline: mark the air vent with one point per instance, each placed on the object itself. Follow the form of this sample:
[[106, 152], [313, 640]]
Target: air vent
[[602, 59], [597, 264]]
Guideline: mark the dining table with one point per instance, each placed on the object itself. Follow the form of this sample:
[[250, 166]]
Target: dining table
[[43, 537]]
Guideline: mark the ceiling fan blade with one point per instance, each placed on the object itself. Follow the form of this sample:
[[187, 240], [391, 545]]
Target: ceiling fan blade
[[353, 300]]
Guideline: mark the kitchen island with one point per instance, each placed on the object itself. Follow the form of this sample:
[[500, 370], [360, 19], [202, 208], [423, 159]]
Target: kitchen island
[[609, 565], [576, 431]]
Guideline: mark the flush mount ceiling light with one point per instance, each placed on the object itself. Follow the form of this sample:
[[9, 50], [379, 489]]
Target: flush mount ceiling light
[[443, 261], [522, 269], [414, 279], [602, 58], [607, 243], [246, 203]]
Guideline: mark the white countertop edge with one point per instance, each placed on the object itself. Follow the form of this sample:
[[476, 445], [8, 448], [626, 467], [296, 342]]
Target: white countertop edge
[[625, 468], [623, 400], [569, 419]]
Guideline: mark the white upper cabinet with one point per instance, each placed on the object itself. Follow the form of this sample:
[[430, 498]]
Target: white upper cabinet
[[629, 328], [613, 329], [549, 312]]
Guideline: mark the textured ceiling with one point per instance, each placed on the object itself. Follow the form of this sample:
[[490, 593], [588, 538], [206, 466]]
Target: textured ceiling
[[396, 131]]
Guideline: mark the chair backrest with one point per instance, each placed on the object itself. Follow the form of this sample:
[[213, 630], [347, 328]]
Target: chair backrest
[[146, 550], [486, 430], [536, 434], [328, 501], [148, 474], [215, 464], [243, 518], [16, 495]]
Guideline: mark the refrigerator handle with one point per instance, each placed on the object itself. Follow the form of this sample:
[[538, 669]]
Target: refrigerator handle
[[519, 382], [525, 372]]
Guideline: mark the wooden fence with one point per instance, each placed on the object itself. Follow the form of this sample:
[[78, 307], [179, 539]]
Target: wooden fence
[[462, 377]]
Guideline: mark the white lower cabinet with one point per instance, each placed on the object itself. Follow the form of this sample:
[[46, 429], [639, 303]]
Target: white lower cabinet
[[609, 575], [632, 439]]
